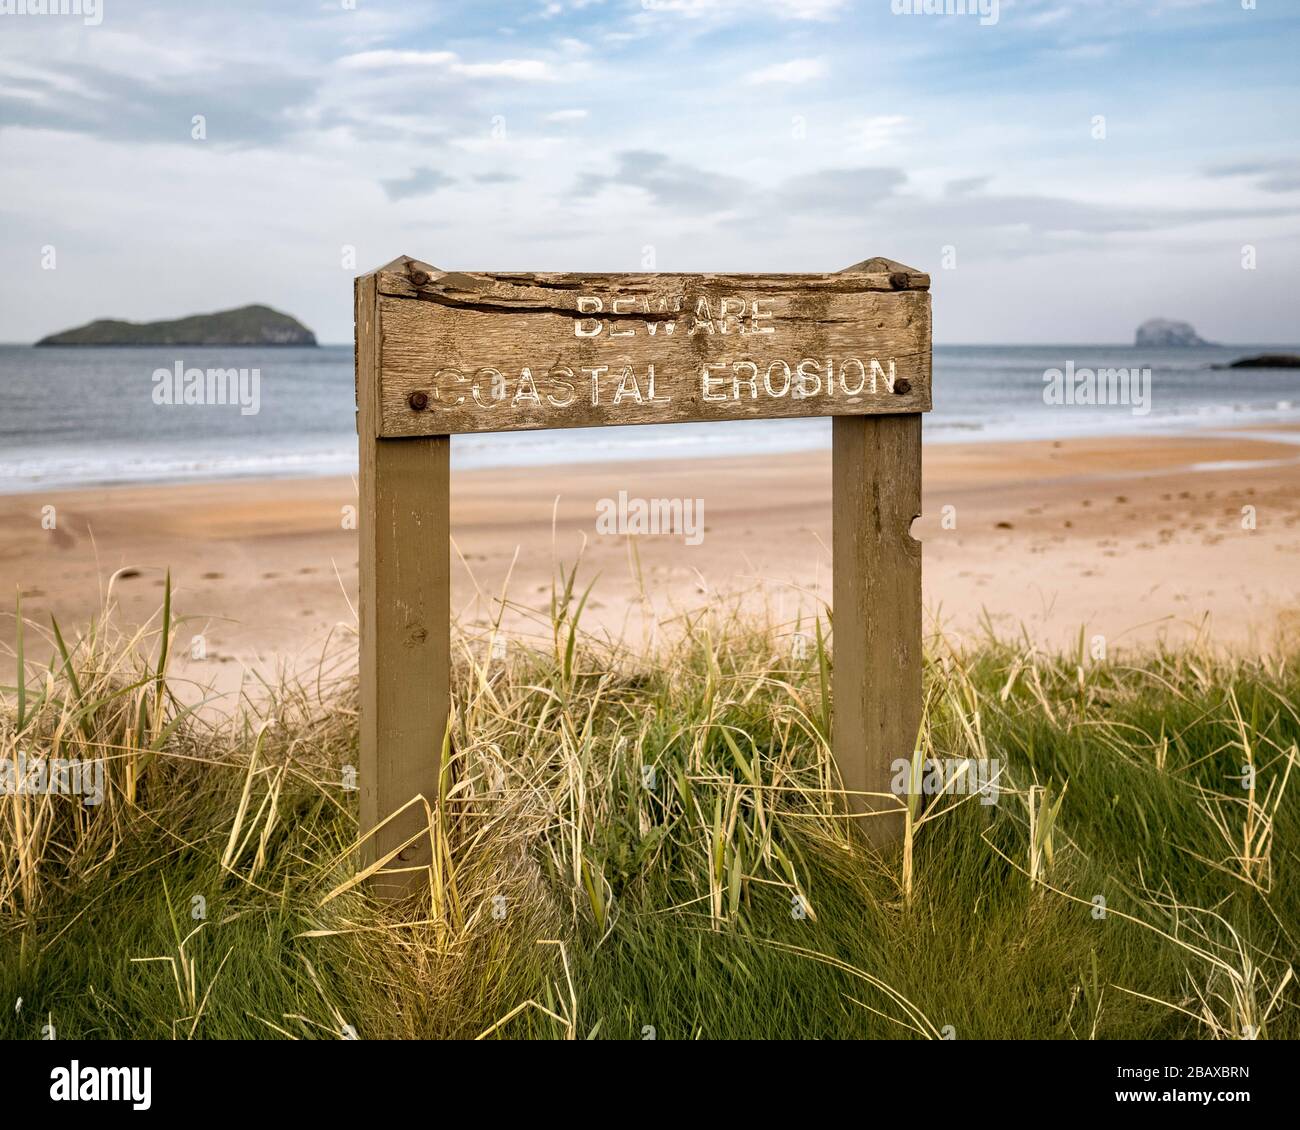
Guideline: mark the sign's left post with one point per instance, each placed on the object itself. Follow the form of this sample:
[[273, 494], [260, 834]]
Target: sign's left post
[[404, 562]]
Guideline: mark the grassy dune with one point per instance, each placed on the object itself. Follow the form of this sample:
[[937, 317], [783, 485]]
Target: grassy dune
[[632, 847]]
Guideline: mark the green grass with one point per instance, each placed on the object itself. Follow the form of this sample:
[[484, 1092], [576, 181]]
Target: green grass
[[629, 845]]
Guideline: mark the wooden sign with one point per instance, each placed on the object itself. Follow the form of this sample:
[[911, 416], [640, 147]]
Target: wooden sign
[[443, 353], [505, 352]]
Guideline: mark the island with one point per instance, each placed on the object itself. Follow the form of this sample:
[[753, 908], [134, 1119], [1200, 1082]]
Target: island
[[1265, 361], [1163, 332], [247, 325]]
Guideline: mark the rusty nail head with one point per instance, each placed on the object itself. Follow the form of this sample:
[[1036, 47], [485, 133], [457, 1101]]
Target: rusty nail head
[[902, 387], [418, 401], [419, 278], [899, 280]]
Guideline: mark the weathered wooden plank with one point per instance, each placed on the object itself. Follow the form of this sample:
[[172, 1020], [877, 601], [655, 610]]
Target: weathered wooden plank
[[876, 594], [405, 624], [505, 352], [410, 278]]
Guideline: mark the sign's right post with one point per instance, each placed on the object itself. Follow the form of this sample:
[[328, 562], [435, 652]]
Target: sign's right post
[[876, 471], [876, 599]]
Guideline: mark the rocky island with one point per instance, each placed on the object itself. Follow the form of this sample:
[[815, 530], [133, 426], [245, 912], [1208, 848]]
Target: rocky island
[[1164, 332], [1265, 361], [247, 325]]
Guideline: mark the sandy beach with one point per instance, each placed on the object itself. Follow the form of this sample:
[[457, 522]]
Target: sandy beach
[[1133, 540]]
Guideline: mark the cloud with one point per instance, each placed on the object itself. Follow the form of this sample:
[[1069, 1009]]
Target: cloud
[[370, 60], [882, 198], [839, 192], [522, 70], [671, 184], [566, 115], [450, 64], [243, 104], [497, 177], [418, 182], [879, 132], [1026, 224], [795, 71], [1269, 176], [727, 9]]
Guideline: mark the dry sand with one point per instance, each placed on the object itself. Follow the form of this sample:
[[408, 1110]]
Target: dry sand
[[1123, 538]]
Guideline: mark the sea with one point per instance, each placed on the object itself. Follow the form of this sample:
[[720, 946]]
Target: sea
[[73, 417]]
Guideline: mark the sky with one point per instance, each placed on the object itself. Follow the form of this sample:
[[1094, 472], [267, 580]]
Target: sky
[[1064, 169]]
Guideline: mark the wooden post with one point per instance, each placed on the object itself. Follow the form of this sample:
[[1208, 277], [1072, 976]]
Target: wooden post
[[405, 596], [876, 493]]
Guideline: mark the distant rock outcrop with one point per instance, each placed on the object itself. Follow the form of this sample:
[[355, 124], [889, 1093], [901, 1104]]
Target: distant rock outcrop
[[1265, 361], [248, 325], [1165, 332]]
